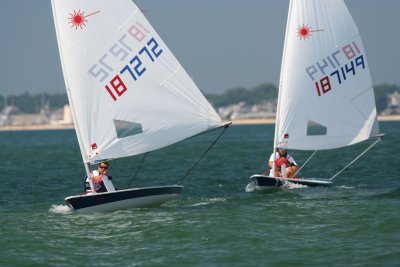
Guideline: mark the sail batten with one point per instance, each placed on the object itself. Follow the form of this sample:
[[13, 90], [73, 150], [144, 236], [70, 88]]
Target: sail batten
[[129, 93]]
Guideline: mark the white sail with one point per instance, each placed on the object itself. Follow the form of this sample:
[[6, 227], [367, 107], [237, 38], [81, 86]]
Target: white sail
[[326, 99], [128, 93]]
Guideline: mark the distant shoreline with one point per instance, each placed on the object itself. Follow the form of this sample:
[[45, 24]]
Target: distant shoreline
[[234, 122], [36, 127], [272, 120]]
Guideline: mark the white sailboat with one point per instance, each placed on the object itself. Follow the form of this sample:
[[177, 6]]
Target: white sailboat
[[326, 99], [128, 93]]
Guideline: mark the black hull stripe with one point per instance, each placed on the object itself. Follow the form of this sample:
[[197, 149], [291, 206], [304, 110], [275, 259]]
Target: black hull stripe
[[85, 201], [270, 181]]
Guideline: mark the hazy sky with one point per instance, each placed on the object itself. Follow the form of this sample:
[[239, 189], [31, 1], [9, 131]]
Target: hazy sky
[[221, 43]]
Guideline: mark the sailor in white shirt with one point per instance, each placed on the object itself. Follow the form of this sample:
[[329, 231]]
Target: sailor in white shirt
[[285, 160], [101, 179]]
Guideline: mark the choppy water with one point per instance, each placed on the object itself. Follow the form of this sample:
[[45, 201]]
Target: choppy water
[[214, 222]]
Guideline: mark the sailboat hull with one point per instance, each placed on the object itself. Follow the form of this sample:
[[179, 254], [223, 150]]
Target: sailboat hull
[[123, 199], [265, 182]]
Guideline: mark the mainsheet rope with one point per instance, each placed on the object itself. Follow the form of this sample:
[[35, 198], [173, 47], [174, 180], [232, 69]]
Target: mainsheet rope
[[305, 163], [137, 169], [359, 156], [180, 182]]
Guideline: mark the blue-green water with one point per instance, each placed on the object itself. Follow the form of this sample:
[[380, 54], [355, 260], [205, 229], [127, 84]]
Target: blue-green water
[[214, 222]]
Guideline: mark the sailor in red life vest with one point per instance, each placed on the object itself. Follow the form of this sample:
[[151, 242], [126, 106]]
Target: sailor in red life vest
[[283, 158], [101, 180]]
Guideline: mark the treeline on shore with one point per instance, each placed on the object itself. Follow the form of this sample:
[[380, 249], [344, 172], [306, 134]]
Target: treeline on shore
[[28, 103]]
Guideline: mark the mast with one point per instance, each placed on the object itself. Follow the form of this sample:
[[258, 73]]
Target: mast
[[278, 107], [67, 87]]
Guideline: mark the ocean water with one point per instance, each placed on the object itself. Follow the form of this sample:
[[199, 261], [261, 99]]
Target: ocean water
[[214, 222]]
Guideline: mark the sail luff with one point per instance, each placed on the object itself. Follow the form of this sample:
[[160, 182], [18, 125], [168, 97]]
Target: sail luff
[[282, 76], [70, 100], [277, 116]]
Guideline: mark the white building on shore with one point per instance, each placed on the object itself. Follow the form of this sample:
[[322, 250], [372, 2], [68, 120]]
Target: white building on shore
[[393, 104], [11, 116], [241, 111]]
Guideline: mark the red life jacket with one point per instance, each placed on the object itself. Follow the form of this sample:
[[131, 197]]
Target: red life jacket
[[282, 160]]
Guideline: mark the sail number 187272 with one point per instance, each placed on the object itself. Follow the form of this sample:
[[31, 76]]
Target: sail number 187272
[[135, 64], [134, 69]]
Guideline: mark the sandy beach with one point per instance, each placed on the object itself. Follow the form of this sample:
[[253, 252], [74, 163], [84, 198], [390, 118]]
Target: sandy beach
[[234, 122], [254, 121], [389, 118]]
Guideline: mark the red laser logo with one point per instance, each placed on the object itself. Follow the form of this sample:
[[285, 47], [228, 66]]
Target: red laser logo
[[304, 32], [78, 19]]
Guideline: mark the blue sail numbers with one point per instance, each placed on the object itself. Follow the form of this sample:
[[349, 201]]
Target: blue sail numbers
[[135, 63], [338, 66]]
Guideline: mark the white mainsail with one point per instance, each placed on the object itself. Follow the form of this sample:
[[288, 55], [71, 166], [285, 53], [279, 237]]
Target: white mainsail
[[326, 99], [128, 93]]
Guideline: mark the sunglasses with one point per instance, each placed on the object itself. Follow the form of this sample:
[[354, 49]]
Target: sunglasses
[[103, 167]]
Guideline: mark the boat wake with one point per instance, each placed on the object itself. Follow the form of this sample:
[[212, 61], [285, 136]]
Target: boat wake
[[60, 209], [254, 187], [289, 186], [208, 201], [345, 187]]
